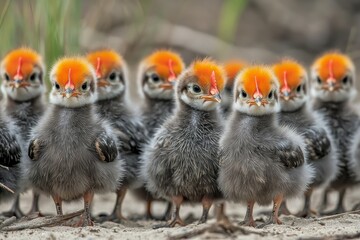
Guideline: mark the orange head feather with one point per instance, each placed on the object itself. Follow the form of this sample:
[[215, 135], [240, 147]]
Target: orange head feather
[[257, 81], [290, 74], [72, 72], [232, 68], [333, 66], [210, 75], [167, 64], [21, 62], [104, 61]]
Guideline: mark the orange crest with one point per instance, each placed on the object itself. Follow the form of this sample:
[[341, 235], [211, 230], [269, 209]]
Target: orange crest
[[210, 75], [71, 72], [257, 80], [232, 68], [333, 65], [290, 74], [21, 62], [104, 61], [167, 64]]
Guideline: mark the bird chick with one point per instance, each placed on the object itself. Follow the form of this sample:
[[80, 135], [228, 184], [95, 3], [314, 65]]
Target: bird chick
[[296, 113], [181, 161], [232, 69], [10, 154], [333, 88], [260, 160], [112, 75], [22, 71], [157, 75], [73, 153]]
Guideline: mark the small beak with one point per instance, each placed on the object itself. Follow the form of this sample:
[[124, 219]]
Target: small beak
[[17, 83], [69, 92], [331, 84], [212, 98], [102, 83], [285, 95], [167, 86], [258, 101]]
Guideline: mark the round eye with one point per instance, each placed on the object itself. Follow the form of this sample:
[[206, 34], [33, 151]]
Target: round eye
[[7, 78], [196, 89], [270, 95], [155, 77], [243, 94], [57, 86], [345, 79], [33, 77], [112, 76], [84, 86], [298, 89], [318, 80]]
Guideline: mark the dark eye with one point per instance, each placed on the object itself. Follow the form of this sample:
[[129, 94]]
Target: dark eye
[[196, 89], [155, 77], [318, 80], [243, 94], [84, 86], [112, 76], [270, 95], [345, 79], [33, 77], [298, 89], [57, 86], [7, 78]]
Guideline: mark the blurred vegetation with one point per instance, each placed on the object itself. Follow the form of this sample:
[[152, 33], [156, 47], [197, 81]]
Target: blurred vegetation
[[50, 27]]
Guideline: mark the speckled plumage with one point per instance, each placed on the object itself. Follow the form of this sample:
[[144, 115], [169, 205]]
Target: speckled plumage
[[132, 134], [68, 164], [260, 159], [344, 122], [182, 158], [320, 147]]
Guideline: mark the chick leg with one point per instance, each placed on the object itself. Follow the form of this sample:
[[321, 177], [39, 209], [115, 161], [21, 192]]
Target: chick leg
[[206, 203], [167, 213], [117, 212], [274, 217], [175, 218], [307, 212], [148, 209], [340, 205], [284, 209], [15, 209], [249, 218], [325, 201], [58, 204], [222, 220], [85, 219], [35, 204]]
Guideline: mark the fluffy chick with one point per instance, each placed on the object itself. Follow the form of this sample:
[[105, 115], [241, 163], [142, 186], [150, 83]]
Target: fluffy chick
[[22, 71], [157, 75], [181, 161], [296, 113], [260, 160], [72, 153], [333, 87], [112, 77], [232, 69]]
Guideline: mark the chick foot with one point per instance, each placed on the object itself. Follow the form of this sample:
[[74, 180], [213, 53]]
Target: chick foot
[[206, 203], [249, 218], [274, 217], [175, 219]]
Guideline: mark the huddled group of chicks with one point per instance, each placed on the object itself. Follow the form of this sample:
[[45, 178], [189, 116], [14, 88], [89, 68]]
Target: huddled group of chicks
[[208, 133]]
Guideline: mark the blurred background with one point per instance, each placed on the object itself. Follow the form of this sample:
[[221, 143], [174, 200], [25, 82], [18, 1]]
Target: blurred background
[[254, 30]]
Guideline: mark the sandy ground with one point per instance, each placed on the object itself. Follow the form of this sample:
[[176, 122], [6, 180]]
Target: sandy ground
[[292, 227]]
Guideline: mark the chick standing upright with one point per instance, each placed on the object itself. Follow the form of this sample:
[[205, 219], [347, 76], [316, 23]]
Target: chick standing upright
[[73, 153], [157, 75], [333, 87], [297, 114], [232, 69], [181, 161], [22, 71], [112, 74], [260, 160]]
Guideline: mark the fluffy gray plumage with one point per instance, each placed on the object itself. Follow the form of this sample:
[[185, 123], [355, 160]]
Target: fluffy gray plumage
[[182, 157], [320, 148], [66, 159], [10, 154], [260, 159], [131, 134], [344, 122]]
